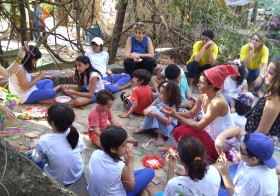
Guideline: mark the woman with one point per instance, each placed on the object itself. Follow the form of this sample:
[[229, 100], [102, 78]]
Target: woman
[[139, 51], [265, 117], [215, 109], [28, 89], [254, 56], [203, 57], [99, 60]]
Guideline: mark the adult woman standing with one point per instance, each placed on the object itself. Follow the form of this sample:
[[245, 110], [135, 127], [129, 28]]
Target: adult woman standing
[[99, 60], [265, 117], [139, 51], [254, 56], [215, 109]]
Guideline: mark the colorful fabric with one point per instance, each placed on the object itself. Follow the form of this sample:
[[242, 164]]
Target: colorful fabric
[[10, 100]]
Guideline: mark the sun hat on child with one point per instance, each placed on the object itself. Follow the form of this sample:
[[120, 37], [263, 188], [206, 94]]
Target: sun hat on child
[[217, 75], [243, 97], [262, 147], [97, 40]]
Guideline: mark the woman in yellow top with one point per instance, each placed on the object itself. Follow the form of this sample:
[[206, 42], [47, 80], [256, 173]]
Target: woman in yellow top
[[203, 57], [254, 56]]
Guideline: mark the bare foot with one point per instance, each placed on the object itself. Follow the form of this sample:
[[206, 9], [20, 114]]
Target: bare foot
[[160, 140], [137, 131], [57, 88], [132, 141]]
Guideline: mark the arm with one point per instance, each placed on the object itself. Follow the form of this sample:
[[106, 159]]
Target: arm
[[131, 110], [14, 67], [150, 50], [245, 86], [96, 130], [7, 112], [194, 111], [246, 56], [213, 54], [146, 111], [270, 112], [127, 177], [165, 120], [24, 85], [198, 56], [127, 50]]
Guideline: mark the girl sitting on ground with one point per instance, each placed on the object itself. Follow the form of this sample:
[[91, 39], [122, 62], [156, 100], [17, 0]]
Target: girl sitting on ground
[[89, 82], [234, 82], [63, 150], [31, 90], [109, 174], [169, 94]]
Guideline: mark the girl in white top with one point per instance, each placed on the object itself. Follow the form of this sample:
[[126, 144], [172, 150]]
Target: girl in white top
[[89, 82], [31, 90], [63, 149], [109, 175], [233, 82]]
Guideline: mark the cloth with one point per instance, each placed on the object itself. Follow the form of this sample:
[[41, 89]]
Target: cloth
[[93, 96], [65, 164], [45, 91], [251, 76], [154, 123], [100, 183], [248, 180], [99, 61], [15, 89], [113, 84], [139, 47], [238, 120], [194, 70], [217, 75], [184, 185], [9, 100], [230, 86], [258, 57], [148, 64], [99, 84], [184, 87], [254, 118], [144, 95], [205, 57]]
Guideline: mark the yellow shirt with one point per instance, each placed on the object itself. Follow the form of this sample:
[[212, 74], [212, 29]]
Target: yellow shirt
[[258, 58], [205, 57]]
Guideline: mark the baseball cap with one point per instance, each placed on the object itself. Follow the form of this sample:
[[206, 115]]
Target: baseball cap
[[262, 147], [97, 40], [243, 97]]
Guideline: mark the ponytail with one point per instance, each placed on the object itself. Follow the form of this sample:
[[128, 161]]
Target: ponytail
[[73, 137], [197, 169]]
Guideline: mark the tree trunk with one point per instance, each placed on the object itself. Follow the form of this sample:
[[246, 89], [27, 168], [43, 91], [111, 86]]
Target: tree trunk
[[118, 27], [23, 25]]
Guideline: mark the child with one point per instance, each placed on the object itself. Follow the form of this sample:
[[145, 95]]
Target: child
[[241, 104], [173, 72], [109, 175], [169, 94], [142, 95], [89, 82], [31, 90], [101, 117], [233, 82], [63, 149]]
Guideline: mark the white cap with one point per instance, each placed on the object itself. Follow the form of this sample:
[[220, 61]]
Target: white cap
[[97, 40]]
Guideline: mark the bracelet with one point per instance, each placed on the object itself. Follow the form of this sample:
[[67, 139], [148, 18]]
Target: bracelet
[[18, 60]]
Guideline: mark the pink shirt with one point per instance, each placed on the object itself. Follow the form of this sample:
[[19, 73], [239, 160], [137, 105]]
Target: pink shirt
[[96, 119]]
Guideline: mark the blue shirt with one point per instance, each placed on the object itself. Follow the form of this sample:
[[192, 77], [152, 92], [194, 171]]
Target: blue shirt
[[139, 47]]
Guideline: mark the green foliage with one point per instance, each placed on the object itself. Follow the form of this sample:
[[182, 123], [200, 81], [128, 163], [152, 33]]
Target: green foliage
[[271, 5]]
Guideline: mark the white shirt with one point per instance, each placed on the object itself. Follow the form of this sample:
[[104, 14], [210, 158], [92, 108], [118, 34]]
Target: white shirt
[[99, 60], [255, 181], [230, 85], [105, 175], [209, 185], [65, 164], [15, 88], [238, 120], [99, 84]]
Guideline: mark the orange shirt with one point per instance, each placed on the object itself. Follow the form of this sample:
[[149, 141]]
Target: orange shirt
[[144, 95]]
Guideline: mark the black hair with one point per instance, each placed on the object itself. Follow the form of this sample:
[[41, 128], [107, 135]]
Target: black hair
[[242, 72], [208, 33], [173, 93], [208, 82], [80, 77], [142, 74], [32, 53], [171, 54], [112, 137], [240, 108], [172, 72], [62, 116], [192, 153], [103, 96]]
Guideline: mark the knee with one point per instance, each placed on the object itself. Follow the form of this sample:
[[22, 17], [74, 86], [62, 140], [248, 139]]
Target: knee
[[150, 173]]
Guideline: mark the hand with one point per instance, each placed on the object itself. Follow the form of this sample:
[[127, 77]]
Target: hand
[[223, 168], [123, 116], [209, 44], [128, 156], [251, 46], [219, 145], [171, 162], [41, 75], [69, 92], [188, 103], [258, 81], [151, 113], [21, 52], [64, 87], [8, 113], [168, 111]]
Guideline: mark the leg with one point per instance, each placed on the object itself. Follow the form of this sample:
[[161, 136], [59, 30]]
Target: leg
[[44, 84], [142, 178], [160, 140], [118, 82], [155, 82], [149, 64], [192, 72], [94, 139], [129, 66], [43, 96]]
